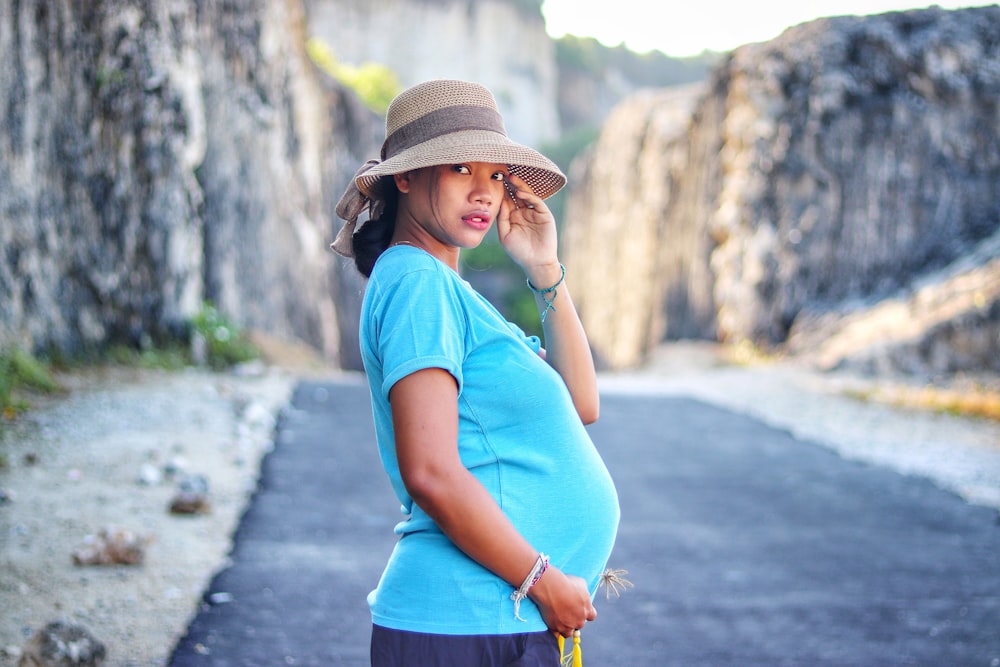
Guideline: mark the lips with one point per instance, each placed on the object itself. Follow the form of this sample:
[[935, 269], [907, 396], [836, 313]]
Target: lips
[[478, 219]]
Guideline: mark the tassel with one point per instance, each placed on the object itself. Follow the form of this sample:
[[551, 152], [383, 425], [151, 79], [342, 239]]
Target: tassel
[[575, 659]]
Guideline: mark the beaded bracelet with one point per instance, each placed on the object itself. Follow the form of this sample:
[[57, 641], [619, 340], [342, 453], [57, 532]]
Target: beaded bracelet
[[536, 573], [544, 293]]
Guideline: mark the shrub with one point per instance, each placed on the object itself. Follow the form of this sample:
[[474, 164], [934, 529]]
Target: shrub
[[223, 344], [20, 370], [374, 83]]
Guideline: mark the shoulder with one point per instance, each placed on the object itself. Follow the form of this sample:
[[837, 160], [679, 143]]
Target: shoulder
[[404, 276], [398, 262]]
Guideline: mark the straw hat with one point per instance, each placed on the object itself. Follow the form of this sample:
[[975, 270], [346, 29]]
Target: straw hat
[[442, 122]]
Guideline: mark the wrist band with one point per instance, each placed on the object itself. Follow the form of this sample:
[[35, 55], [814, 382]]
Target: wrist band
[[541, 564], [544, 293]]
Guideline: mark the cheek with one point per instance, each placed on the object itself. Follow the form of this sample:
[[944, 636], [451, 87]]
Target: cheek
[[500, 192]]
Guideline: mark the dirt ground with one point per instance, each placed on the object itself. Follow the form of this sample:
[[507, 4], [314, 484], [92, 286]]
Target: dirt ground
[[111, 454]]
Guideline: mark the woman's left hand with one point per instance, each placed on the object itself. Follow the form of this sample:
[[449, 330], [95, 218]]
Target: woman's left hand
[[527, 228]]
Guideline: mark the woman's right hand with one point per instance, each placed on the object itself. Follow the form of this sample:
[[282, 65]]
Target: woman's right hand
[[563, 601]]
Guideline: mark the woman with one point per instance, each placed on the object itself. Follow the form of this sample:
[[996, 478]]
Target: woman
[[510, 512]]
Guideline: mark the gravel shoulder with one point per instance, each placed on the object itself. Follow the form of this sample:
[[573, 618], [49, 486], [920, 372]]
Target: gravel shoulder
[[78, 463], [82, 462]]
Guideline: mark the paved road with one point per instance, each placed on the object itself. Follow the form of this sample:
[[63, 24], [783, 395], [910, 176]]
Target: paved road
[[746, 546]]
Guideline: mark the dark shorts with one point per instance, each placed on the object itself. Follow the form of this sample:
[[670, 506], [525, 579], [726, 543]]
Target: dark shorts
[[396, 648]]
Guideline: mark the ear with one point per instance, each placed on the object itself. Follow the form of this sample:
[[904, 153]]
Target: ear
[[402, 181]]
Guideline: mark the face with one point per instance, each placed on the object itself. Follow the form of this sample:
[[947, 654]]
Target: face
[[454, 205]]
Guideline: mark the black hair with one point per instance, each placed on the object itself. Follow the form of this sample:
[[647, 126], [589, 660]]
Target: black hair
[[373, 237]]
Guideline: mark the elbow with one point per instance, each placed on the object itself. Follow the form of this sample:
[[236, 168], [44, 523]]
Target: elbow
[[421, 486], [427, 487], [589, 412]]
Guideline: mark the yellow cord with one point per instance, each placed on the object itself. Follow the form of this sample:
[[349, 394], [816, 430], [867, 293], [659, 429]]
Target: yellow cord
[[576, 656]]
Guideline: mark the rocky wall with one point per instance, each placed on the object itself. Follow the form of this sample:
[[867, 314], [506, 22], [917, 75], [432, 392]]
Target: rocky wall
[[841, 163], [156, 155]]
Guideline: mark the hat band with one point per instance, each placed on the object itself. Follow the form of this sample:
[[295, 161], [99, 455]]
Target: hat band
[[441, 122]]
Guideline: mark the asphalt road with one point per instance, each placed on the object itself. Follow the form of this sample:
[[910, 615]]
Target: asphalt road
[[746, 547]]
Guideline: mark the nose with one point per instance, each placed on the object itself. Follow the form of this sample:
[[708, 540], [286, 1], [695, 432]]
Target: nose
[[483, 190]]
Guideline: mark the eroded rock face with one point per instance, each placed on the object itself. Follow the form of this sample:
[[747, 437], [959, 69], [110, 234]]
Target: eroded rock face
[[948, 322], [155, 155], [841, 163], [92, 118], [638, 268]]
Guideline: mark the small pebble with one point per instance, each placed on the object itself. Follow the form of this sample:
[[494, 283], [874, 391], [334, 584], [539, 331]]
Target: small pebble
[[176, 466], [149, 475], [62, 643], [220, 598], [112, 546], [193, 484]]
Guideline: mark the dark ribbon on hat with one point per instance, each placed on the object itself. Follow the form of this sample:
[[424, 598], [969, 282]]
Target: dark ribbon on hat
[[350, 206], [440, 122]]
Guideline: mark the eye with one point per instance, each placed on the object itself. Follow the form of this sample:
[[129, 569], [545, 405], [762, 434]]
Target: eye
[[499, 176], [461, 169]]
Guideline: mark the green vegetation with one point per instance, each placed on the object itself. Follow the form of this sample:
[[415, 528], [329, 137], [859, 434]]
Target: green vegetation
[[219, 344], [225, 344], [587, 55], [173, 356], [20, 371], [374, 83]]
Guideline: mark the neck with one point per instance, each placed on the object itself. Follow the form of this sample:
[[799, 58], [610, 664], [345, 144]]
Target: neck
[[448, 255]]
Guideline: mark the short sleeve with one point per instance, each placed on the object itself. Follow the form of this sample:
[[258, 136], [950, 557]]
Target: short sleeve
[[421, 323]]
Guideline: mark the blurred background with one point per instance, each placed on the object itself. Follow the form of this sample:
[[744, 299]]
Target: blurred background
[[813, 180]]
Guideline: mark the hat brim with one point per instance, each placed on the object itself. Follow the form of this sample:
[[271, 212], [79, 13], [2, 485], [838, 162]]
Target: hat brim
[[541, 174]]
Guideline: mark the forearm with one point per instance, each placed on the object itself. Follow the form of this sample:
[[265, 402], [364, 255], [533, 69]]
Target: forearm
[[466, 512], [425, 420], [472, 520], [567, 348]]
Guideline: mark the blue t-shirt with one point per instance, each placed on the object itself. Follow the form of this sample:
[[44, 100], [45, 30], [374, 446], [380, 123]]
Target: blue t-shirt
[[519, 435]]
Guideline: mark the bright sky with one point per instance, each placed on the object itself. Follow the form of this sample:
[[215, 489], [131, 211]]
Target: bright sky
[[688, 28]]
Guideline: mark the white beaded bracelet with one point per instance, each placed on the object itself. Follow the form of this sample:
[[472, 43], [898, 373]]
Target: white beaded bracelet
[[536, 573]]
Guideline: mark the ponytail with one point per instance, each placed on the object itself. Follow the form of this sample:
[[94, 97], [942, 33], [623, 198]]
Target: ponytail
[[373, 237]]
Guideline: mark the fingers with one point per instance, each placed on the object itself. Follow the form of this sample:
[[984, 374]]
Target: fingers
[[523, 195], [503, 218], [586, 612], [564, 601]]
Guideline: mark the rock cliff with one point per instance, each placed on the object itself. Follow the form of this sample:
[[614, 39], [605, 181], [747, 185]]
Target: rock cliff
[[639, 270], [849, 161], [155, 155], [817, 191]]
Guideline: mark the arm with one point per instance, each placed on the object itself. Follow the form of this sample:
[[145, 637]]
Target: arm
[[566, 346], [425, 421], [528, 234]]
